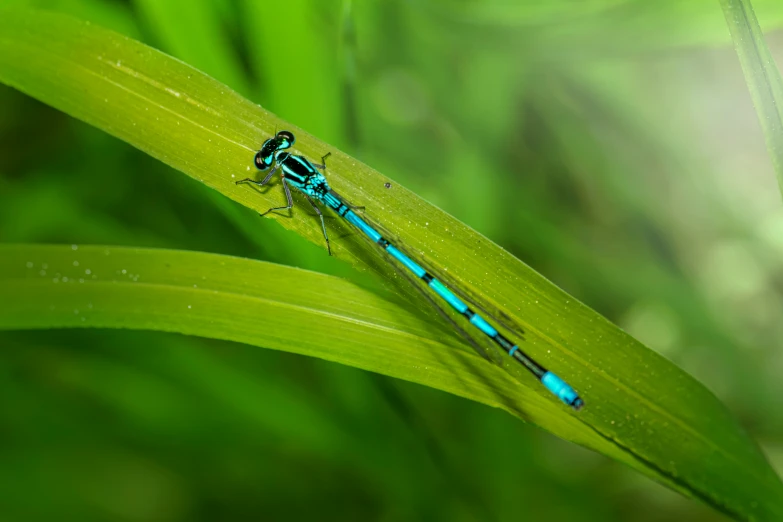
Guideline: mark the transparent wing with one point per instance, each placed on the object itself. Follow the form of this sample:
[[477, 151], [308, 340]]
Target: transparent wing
[[492, 355], [485, 348], [490, 312]]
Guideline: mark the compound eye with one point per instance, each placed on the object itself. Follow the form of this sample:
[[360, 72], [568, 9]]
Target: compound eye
[[286, 138], [262, 161], [269, 143]]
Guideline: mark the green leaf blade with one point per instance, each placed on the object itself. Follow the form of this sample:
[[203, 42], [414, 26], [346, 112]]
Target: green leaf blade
[[641, 409], [321, 316], [761, 75]]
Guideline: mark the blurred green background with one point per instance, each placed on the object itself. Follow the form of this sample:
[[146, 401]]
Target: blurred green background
[[609, 144]]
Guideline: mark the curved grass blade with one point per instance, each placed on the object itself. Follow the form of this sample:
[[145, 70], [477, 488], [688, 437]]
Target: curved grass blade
[[258, 303], [643, 410], [761, 74]]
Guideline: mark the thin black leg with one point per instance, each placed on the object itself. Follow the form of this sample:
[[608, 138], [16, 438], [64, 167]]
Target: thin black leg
[[323, 167], [259, 183], [323, 225], [287, 196]]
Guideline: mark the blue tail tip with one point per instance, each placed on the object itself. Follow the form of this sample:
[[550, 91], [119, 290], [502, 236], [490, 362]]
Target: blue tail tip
[[563, 391]]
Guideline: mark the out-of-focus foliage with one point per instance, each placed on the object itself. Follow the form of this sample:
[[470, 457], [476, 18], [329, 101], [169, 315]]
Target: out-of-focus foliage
[[616, 171], [761, 74]]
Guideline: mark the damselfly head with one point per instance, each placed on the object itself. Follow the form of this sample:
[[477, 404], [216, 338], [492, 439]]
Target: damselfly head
[[264, 159], [285, 139], [266, 156]]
